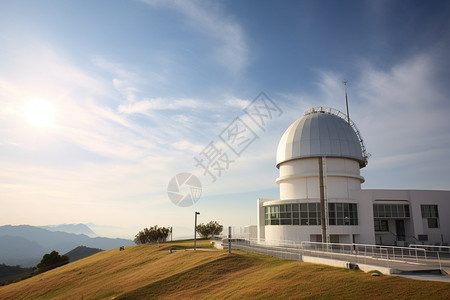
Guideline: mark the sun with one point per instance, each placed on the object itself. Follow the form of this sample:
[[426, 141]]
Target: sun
[[39, 112]]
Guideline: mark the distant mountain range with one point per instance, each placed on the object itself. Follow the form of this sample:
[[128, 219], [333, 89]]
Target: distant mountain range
[[71, 228], [25, 245]]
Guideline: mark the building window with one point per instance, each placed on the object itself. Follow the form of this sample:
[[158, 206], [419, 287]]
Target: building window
[[381, 225], [309, 214], [342, 214], [430, 212], [393, 211]]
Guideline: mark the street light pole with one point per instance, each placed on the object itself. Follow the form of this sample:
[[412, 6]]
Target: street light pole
[[195, 231]]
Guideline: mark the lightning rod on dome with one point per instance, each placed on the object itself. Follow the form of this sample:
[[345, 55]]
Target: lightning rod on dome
[[346, 101]]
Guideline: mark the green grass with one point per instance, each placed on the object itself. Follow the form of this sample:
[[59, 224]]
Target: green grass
[[150, 272]]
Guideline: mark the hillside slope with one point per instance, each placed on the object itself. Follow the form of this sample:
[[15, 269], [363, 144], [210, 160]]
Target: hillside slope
[[149, 271]]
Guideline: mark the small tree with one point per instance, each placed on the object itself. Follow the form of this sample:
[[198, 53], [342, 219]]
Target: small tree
[[153, 234], [51, 261], [210, 229]]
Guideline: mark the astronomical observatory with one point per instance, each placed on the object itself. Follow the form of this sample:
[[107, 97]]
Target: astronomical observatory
[[319, 158]]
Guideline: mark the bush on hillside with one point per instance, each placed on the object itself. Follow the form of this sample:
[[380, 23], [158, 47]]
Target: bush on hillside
[[153, 234], [52, 260], [210, 229]]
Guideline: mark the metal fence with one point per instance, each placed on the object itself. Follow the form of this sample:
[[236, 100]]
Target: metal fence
[[286, 252], [364, 253], [377, 255]]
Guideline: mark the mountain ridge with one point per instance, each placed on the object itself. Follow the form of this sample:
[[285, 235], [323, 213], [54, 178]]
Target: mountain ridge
[[71, 228], [21, 237]]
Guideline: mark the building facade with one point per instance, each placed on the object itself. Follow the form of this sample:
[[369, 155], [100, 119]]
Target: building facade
[[319, 158]]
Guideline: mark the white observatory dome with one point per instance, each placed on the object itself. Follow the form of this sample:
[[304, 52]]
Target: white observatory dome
[[322, 132]]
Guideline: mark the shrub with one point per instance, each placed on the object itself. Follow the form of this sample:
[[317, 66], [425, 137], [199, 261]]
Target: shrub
[[210, 229], [153, 234]]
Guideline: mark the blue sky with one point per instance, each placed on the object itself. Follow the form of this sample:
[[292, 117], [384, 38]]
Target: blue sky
[[140, 88]]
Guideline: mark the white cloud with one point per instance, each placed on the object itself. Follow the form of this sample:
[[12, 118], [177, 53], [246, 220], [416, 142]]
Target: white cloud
[[236, 102], [402, 114], [231, 50], [146, 105]]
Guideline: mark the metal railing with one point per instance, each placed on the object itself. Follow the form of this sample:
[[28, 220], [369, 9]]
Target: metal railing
[[377, 255], [366, 253], [333, 111], [292, 252], [436, 248]]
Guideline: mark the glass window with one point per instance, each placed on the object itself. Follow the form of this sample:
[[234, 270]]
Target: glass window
[[286, 222], [381, 225], [433, 223], [429, 211], [342, 214], [331, 214], [310, 214], [394, 211], [331, 207], [381, 211], [387, 211], [286, 215], [303, 207]]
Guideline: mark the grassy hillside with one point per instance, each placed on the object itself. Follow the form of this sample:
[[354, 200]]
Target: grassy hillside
[[149, 271]]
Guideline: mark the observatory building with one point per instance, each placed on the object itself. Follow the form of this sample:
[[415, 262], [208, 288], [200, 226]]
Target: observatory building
[[319, 158]]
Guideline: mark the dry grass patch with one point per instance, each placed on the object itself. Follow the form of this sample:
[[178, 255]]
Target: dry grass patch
[[149, 271]]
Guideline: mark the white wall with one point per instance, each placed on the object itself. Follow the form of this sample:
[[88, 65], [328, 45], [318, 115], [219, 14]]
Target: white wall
[[442, 200], [299, 182], [416, 224], [299, 179]]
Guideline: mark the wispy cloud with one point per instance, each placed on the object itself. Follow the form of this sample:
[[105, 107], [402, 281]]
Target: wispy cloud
[[231, 49], [402, 114], [145, 105], [236, 102]]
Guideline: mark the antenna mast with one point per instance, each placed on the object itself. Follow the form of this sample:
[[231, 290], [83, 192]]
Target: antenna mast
[[346, 101]]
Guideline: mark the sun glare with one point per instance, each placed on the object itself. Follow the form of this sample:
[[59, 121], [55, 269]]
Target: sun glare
[[39, 113]]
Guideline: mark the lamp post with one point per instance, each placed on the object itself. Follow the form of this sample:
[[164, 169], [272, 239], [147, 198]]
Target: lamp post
[[195, 231]]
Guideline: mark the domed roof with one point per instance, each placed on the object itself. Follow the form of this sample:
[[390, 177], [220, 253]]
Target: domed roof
[[322, 132]]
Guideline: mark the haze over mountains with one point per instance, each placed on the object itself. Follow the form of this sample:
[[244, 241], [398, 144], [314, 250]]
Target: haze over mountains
[[71, 228], [25, 245]]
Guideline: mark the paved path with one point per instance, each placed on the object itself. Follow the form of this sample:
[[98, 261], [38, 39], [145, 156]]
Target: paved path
[[413, 268]]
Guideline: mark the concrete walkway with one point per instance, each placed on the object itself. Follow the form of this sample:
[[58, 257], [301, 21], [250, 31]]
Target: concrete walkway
[[419, 269]]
